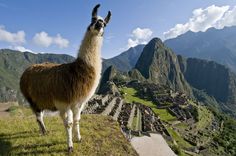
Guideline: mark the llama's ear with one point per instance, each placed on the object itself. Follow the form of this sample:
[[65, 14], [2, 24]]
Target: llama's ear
[[95, 10], [107, 19]]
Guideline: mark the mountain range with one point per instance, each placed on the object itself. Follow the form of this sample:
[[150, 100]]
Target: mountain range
[[154, 62], [218, 45]]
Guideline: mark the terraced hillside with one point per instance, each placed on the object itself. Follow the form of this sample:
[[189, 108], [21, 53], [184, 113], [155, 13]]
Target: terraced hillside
[[188, 126]]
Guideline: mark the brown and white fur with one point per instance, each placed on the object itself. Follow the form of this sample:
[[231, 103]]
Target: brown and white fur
[[67, 87]]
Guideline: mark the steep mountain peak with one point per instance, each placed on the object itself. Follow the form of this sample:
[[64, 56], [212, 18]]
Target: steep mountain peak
[[159, 64], [156, 43]]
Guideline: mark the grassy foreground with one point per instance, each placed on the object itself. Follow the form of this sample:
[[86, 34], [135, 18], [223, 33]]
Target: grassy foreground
[[100, 136]]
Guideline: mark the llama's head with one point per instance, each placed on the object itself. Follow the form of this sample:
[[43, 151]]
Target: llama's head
[[98, 23]]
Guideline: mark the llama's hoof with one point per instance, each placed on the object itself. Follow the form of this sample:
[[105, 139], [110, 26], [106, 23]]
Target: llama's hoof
[[70, 150], [43, 133]]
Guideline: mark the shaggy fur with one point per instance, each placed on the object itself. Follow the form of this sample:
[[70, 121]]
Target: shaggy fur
[[44, 83]]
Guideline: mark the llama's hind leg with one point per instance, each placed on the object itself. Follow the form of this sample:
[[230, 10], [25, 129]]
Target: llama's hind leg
[[68, 123], [39, 116]]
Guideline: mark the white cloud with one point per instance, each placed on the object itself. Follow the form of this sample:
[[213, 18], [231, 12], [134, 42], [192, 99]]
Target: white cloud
[[61, 42], [139, 36], [142, 34], [44, 40], [18, 37], [132, 43], [22, 49], [229, 19], [202, 19]]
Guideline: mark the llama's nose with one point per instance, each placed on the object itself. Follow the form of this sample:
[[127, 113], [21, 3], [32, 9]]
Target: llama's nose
[[98, 25]]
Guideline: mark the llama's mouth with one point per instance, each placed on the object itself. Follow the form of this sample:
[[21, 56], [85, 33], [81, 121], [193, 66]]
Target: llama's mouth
[[98, 28]]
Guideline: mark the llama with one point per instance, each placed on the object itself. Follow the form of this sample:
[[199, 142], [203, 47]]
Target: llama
[[67, 87]]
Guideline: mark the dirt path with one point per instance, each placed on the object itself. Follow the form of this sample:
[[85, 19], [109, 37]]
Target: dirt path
[[152, 146], [3, 108]]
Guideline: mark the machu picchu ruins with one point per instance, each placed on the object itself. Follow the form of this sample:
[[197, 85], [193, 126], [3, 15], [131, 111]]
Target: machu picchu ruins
[[138, 119]]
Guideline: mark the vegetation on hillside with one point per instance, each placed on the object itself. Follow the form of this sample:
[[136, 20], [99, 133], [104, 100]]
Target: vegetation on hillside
[[131, 96]]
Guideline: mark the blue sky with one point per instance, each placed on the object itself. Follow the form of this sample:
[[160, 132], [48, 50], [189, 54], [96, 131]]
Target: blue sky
[[58, 26]]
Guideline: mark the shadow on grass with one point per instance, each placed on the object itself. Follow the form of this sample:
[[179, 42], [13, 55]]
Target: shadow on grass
[[5, 146], [40, 152], [32, 149], [20, 135]]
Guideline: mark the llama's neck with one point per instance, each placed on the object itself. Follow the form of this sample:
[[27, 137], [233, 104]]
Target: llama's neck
[[90, 51]]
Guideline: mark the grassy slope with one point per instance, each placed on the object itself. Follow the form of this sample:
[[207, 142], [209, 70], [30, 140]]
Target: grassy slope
[[100, 136]]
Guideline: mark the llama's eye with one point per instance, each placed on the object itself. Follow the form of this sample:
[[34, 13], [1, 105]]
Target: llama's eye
[[94, 19]]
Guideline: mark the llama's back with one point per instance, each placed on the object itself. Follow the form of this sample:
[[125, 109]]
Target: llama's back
[[35, 83]]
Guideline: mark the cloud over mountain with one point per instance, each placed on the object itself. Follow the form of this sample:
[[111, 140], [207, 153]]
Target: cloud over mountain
[[44, 40], [14, 38], [139, 36], [202, 19]]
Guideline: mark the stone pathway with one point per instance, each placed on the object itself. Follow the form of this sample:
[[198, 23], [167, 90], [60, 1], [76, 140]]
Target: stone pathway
[[152, 146]]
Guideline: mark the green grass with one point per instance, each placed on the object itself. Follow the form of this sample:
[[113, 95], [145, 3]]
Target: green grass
[[204, 117], [164, 114], [137, 122], [130, 96], [179, 140], [19, 135], [134, 123], [182, 125]]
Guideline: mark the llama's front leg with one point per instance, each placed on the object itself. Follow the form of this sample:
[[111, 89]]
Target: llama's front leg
[[68, 122], [76, 116]]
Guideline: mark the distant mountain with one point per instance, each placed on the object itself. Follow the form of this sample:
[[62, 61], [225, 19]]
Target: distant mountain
[[159, 64], [215, 44], [126, 60], [12, 65], [215, 79]]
